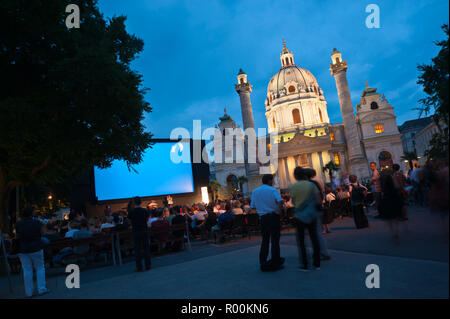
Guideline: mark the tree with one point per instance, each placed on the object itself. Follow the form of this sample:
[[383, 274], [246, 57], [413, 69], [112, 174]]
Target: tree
[[214, 185], [409, 156], [69, 98], [330, 167], [434, 79]]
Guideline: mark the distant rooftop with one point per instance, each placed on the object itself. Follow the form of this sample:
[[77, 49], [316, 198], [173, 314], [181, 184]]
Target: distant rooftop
[[415, 124]]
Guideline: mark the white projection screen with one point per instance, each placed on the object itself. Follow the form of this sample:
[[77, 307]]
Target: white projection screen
[[156, 175]]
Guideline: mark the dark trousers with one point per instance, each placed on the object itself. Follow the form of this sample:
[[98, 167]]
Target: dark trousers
[[270, 231], [312, 230], [142, 241]]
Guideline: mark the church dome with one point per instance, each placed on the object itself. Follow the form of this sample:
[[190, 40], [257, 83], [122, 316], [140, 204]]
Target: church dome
[[292, 74]]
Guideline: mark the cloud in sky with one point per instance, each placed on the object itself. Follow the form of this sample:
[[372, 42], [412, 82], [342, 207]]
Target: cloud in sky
[[194, 49]]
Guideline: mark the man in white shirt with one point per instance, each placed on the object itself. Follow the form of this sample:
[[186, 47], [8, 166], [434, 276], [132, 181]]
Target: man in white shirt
[[268, 204]]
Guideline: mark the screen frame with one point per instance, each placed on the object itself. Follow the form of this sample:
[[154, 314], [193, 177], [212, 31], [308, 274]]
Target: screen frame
[[156, 140]]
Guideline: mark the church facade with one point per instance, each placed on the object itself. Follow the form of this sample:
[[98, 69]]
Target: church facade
[[297, 116]]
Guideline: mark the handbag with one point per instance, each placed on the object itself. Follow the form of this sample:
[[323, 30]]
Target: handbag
[[307, 212]]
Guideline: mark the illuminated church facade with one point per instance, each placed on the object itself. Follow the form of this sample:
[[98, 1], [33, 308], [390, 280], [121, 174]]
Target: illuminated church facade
[[296, 113]]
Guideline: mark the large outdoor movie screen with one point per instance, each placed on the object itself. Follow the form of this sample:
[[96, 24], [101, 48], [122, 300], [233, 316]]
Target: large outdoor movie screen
[[160, 173]]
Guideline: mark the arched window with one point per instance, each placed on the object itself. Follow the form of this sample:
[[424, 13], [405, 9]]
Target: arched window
[[242, 80], [320, 115], [273, 121], [337, 60], [296, 116], [332, 136], [373, 105], [292, 62], [287, 61], [291, 89]]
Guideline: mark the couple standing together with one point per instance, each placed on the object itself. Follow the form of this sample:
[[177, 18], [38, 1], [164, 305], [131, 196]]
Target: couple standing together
[[307, 199]]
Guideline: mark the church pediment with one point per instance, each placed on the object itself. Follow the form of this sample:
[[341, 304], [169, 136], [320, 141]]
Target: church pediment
[[375, 116], [302, 141]]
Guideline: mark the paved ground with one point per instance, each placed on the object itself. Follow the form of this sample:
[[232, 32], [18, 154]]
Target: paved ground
[[416, 266]]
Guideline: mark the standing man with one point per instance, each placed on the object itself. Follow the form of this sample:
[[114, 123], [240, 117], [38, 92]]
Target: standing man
[[31, 252], [141, 238], [268, 204], [376, 187]]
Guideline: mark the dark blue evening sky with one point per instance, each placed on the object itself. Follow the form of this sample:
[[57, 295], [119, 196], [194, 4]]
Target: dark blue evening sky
[[194, 49]]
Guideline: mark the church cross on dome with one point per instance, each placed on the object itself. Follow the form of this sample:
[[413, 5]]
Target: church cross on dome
[[286, 57]]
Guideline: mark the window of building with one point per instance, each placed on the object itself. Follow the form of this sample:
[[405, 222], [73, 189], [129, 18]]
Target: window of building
[[242, 80], [336, 159], [296, 116], [291, 89], [273, 121], [332, 136], [270, 98], [337, 60], [379, 129], [292, 62], [287, 61], [373, 105], [320, 115]]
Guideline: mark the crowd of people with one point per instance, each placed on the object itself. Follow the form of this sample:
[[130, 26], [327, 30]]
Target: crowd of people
[[309, 203]]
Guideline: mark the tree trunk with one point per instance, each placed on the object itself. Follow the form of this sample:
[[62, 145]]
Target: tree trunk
[[4, 203]]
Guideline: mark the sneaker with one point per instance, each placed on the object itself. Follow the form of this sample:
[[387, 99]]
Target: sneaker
[[304, 269], [46, 291]]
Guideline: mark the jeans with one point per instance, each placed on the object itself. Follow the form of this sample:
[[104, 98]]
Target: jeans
[[142, 241], [29, 261], [322, 244], [270, 231], [312, 229]]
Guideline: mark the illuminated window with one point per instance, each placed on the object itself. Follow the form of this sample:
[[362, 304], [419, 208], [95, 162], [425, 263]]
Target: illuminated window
[[291, 89], [332, 136], [379, 129], [373, 105], [320, 115], [336, 159], [296, 116]]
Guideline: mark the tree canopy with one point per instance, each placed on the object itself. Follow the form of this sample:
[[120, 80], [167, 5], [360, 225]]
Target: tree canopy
[[435, 81], [69, 98]]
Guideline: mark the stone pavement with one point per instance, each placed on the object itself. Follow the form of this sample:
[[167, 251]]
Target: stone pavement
[[416, 266]]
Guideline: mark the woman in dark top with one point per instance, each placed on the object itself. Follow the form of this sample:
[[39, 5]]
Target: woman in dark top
[[31, 253], [391, 200]]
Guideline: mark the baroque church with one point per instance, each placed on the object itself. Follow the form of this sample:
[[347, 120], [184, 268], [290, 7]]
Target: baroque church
[[296, 113]]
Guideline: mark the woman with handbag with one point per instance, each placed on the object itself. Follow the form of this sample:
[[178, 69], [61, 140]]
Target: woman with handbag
[[306, 199]]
